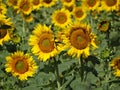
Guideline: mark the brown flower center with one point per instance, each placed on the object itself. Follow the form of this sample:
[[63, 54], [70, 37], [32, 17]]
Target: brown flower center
[[25, 5], [79, 13], [91, 3], [36, 2], [46, 44], [20, 65], [110, 2], [61, 18], [2, 33], [68, 1], [79, 39], [47, 1]]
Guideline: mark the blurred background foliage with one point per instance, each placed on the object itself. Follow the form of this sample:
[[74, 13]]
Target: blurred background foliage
[[98, 75]]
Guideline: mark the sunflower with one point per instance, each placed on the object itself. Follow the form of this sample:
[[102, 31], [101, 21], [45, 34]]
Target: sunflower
[[70, 8], [36, 4], [25, 6], [3, 9], [5, 29], [110, 5], [48, 3], [91, 4], [104, 25], [61, 18], [27, 18], [20, 65], [12, 3], [43, 42], [79, 13], [78, 38], [115, 64], [68, 2]]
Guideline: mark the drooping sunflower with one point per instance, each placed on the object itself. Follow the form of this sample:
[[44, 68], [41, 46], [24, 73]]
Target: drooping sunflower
[[61, 18], [43, 42], [6, 27], [3, 9], [110, 5], [90, 4], [79, 13], [115, 64], [78, 38], [12, 3], [21, 65], [25, 6], [48, 3], [68, 2], [36, 4]]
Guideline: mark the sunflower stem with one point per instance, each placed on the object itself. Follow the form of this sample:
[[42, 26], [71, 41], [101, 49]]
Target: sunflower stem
[[81, 68], [57, 74]]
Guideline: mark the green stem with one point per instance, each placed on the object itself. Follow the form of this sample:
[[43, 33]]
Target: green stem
[[57, 74], [82, 68]]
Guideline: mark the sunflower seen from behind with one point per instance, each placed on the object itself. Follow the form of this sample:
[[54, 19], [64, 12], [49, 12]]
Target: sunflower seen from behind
[[78, 38], [21, 65], [61, 18], [110, 5], [43, 43], [115, 64]]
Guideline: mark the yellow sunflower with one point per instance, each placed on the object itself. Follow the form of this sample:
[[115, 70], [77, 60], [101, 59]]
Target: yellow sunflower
[[68, 2], [21, 65], [90, 4], [12, 3], [78, 39], [3, 8], [43, 42], [110, 5], [70, 8], [79, 13], [25, 6], [115, 64], [27, 18], [36, 4], [61, 18], [48, 3], [5, 29]]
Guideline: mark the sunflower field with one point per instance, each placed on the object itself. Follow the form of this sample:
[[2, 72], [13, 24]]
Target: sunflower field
[[59, 44]]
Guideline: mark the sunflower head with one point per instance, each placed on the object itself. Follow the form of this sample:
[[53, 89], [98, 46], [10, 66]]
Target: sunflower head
[[48, 3], [104, 25], [68, 2], [12, 3], [20, 65], [78, 38], [43, 42], [27, 18], [115, 64], [61, 18], [3, 9], [79, 13], [36, 4], [110, 5], [25, 6], [90, 4]]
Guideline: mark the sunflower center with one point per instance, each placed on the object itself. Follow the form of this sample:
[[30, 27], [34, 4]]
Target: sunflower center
[[25, 5], [21, 66], [91, 3], [36, 2], [110, 2], [45, 43], [79, 39], [2, 33], [68, 1], [61, 18], [47, 1], [79, 13]]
